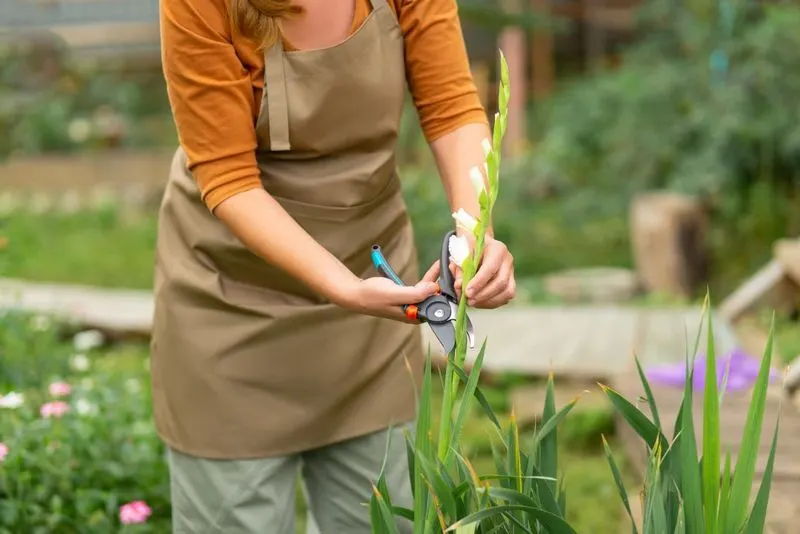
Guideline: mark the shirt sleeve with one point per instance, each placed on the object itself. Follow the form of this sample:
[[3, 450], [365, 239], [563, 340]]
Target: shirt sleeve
[[211, 97], [437, 67]]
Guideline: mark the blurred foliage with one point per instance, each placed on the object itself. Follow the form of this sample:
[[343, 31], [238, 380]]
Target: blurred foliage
[[50, 102], [688, 109], [704, 104]]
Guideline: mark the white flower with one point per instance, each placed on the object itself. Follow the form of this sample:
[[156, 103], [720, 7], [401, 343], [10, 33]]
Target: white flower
[[477, 180], [79, 363], [84, 407], [79, 130], [12, 400], [487, 146], [40, 323], [133, 385], [465, 220], [88, 340], [459, 249]]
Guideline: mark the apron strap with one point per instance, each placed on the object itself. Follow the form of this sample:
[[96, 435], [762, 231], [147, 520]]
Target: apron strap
[[277, 100]]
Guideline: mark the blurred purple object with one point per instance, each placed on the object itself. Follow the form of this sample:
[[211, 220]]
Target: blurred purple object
[[741, 375]]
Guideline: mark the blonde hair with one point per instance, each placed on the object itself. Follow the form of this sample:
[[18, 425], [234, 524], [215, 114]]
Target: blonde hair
[[259, 20]]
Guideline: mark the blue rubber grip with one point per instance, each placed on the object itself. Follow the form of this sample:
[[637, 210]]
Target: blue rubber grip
[[383, 267]]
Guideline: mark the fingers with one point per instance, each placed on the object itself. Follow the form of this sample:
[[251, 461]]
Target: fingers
[[499, 291], [493, 258], [433, 273], [457, 278], [399, 295]]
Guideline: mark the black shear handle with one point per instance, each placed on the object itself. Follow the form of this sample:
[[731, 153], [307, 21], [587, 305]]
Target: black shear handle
[[447, 283]]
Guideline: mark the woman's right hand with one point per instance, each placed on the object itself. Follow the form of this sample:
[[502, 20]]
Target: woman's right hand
[[380, 297]]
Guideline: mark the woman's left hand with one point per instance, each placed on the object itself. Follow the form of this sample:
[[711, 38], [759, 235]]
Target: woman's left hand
[[494, 284]]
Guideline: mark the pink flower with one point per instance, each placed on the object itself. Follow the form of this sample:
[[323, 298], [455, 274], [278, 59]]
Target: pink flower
[[54, 409], [60, 389], [3, 451], [134, 512]]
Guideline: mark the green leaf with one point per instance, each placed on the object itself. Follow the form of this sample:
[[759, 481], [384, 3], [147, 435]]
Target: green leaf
[[651, 401], [487, 408], [423, 447], [465, 405], [553, 523], [445, 494], [725, 490], [388, 520], [467, 529], [548, 452], [758, 516], [690, 484], [636, 419], [751, 437], [620, 486], [400, 511], [711, 439]]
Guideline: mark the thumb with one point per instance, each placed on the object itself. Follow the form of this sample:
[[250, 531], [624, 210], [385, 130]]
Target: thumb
[[411, 294], [433, 273]]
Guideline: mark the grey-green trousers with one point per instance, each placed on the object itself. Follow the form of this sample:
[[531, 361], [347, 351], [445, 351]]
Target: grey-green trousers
[[258, 496]]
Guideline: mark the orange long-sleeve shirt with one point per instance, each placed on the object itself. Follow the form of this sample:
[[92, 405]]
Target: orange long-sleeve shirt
[[215, 78]]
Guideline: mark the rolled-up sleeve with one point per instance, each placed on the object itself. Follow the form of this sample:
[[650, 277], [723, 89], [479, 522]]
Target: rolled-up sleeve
[[437, 65], [211, 96]]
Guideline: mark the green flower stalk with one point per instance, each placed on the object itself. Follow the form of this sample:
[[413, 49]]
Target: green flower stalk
[[448, 434]]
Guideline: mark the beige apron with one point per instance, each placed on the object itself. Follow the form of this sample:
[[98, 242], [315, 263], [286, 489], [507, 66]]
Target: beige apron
[[246, 361]]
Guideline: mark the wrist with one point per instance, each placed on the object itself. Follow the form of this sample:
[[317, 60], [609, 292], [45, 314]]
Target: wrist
[[342, 289]]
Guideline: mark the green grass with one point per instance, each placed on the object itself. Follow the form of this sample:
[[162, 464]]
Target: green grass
[[101, 248]]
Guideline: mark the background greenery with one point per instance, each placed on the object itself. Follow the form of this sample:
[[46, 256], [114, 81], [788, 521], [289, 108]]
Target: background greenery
[[705, 103]]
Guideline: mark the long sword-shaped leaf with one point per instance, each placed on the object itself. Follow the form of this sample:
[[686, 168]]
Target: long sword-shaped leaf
[[422, 447], [623, 494], [725, 490], [388, 519], [748, 452], [482, 400], [711, 439], [553, 523], [758, 516], [690, 484], [465, 405], [637, 420], [651, 401], [548, 451]]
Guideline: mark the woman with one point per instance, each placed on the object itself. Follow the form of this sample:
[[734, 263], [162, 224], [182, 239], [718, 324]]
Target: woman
[[276, 345]]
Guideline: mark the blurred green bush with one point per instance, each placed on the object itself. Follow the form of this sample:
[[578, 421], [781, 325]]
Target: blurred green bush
[[703, 104]]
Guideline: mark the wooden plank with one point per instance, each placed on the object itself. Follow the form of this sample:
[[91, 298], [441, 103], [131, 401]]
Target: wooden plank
[[768, 287], [787, 253]]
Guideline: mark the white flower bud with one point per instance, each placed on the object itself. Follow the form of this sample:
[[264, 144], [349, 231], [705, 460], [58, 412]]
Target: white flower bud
[[465, 220]]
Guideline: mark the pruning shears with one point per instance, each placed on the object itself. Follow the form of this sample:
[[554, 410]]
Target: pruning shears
[[439, 310]]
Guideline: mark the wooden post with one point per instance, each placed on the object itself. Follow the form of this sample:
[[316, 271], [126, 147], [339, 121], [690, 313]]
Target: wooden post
[[668, 235], [594, 37], [512, 43], [542, 66]]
